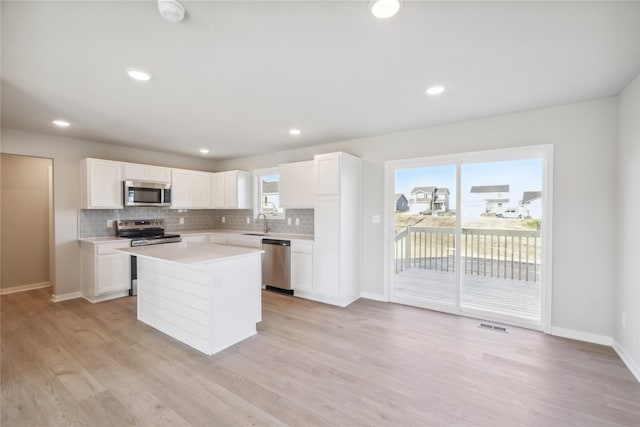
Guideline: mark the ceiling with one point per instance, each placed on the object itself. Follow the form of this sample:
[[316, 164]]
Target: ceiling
[[234, 77]]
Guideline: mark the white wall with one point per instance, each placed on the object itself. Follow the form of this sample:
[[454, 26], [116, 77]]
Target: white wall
[[628, 232], [66, 154], [584, 139]]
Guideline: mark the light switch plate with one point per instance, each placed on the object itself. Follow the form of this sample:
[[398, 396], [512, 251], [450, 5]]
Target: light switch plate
[[375, 219]]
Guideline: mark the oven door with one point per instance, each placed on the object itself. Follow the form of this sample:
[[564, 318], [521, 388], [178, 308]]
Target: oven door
[[137, 193]]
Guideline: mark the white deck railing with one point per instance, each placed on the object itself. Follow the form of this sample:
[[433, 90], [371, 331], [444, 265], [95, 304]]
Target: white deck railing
[[510, 254]]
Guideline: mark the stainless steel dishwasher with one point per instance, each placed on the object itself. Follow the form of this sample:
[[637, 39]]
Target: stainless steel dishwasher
[[276, 265]]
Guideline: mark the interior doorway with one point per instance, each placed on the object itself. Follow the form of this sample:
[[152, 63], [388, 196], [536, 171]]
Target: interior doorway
[[470, 234], [26, 223]]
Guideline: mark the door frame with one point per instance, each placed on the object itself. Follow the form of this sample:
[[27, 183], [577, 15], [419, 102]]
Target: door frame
[[544, 151]]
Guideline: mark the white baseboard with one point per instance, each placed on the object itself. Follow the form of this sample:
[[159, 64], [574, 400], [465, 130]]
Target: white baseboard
[[582, 336], [628, 360], [24, 288], [372, 296], [65, 297]]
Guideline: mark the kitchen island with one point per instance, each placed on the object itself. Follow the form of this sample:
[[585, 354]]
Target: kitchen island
[[205, 295]]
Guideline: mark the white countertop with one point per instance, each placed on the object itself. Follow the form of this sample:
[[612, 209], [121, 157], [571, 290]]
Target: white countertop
[[189, 252], [282, 236]]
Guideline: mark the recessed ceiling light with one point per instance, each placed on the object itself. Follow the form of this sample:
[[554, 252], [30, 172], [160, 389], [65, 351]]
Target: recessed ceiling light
[[139, 74], [61, 123], [435, 90], [204, 151], [294, 132], [384, 9], [171, 10]]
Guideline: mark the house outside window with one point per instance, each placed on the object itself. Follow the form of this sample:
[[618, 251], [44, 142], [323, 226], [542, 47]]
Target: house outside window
[[266, 195]]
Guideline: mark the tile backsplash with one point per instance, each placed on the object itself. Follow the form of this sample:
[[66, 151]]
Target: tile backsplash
[[93, 222]]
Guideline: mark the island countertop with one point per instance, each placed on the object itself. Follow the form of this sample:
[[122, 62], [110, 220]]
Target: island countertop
[[190, 252]]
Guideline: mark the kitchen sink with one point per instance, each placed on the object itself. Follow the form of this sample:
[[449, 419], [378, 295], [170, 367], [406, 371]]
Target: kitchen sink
[[254, 234]]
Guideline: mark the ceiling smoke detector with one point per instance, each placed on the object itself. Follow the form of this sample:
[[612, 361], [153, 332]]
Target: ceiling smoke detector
[[171, 10]]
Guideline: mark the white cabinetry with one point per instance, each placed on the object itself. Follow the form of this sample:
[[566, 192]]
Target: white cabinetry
[[231, 190], [296, 185], [196, 238], [106, 273], [337, 229], [302, 266], [101, 184], [138, 172], [190, 189]]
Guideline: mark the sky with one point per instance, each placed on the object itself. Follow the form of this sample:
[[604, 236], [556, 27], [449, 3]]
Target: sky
[[520, 175]]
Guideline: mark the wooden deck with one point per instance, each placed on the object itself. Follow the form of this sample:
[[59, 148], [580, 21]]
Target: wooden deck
[[503, 296]]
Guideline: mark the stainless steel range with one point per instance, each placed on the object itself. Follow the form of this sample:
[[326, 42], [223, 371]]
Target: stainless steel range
[[143, 232]]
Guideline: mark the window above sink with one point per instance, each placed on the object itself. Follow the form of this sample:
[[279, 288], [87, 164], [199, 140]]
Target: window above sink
[[266, 193]]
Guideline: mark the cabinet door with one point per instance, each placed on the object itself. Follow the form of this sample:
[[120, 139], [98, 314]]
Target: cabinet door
[[296, 186], [201, 190], [159, 174], [327, 246], [327, 174], [105, 184], [181, 189], [230, 190], [301, 267], [113, 273], [245, 241], [220, 186], [135, 172]]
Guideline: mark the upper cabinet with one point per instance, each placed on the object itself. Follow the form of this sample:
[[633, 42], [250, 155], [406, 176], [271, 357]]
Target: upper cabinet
[[190, 189], [327, 174], [231, 190], [296, 185], [101, 184], [138, 172]]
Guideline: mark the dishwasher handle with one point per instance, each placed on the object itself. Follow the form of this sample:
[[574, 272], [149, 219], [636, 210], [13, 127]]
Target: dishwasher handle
[[276, 242]]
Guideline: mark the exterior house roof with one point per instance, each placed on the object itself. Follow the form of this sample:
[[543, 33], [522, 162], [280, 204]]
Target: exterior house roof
[[497, 200], [439, 190], [269, 187], [422, 190], [400, 195], [490, 188], [530, 196]]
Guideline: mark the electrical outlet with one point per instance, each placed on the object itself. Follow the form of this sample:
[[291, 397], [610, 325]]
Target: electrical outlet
[[375, 219], [248, 220], [109, 223], [181, 221], [623, 320], [223, 220], [297, 221], [288, 221]]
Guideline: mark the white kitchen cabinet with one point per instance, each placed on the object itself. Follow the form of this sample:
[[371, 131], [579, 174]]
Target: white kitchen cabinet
[[140, 172], [296, 186], [327, 174], [302, 266], [190, 189], [336, 250], [106, 273], [231, 190], [101, 183]]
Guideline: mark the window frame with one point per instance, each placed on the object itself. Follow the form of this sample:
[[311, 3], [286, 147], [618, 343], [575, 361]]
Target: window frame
[[257, 193]]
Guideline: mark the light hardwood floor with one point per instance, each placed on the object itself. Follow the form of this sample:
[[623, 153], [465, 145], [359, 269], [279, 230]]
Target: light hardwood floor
[[76, 363]]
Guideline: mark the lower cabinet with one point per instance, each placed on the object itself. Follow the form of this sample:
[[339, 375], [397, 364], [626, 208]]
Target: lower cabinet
[[106, 273], [302, 266]]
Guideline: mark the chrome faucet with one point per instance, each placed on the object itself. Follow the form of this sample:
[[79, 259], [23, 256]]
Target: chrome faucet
[[266, 222]]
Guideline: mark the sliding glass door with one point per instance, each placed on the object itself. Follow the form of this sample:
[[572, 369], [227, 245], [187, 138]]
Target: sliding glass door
[[424, 240], [467, 234]]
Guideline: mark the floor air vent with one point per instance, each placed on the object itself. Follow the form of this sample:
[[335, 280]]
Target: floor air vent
[[493, 327]]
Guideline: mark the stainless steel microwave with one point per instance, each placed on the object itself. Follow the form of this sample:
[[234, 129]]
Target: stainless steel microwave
[[140, 193]]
